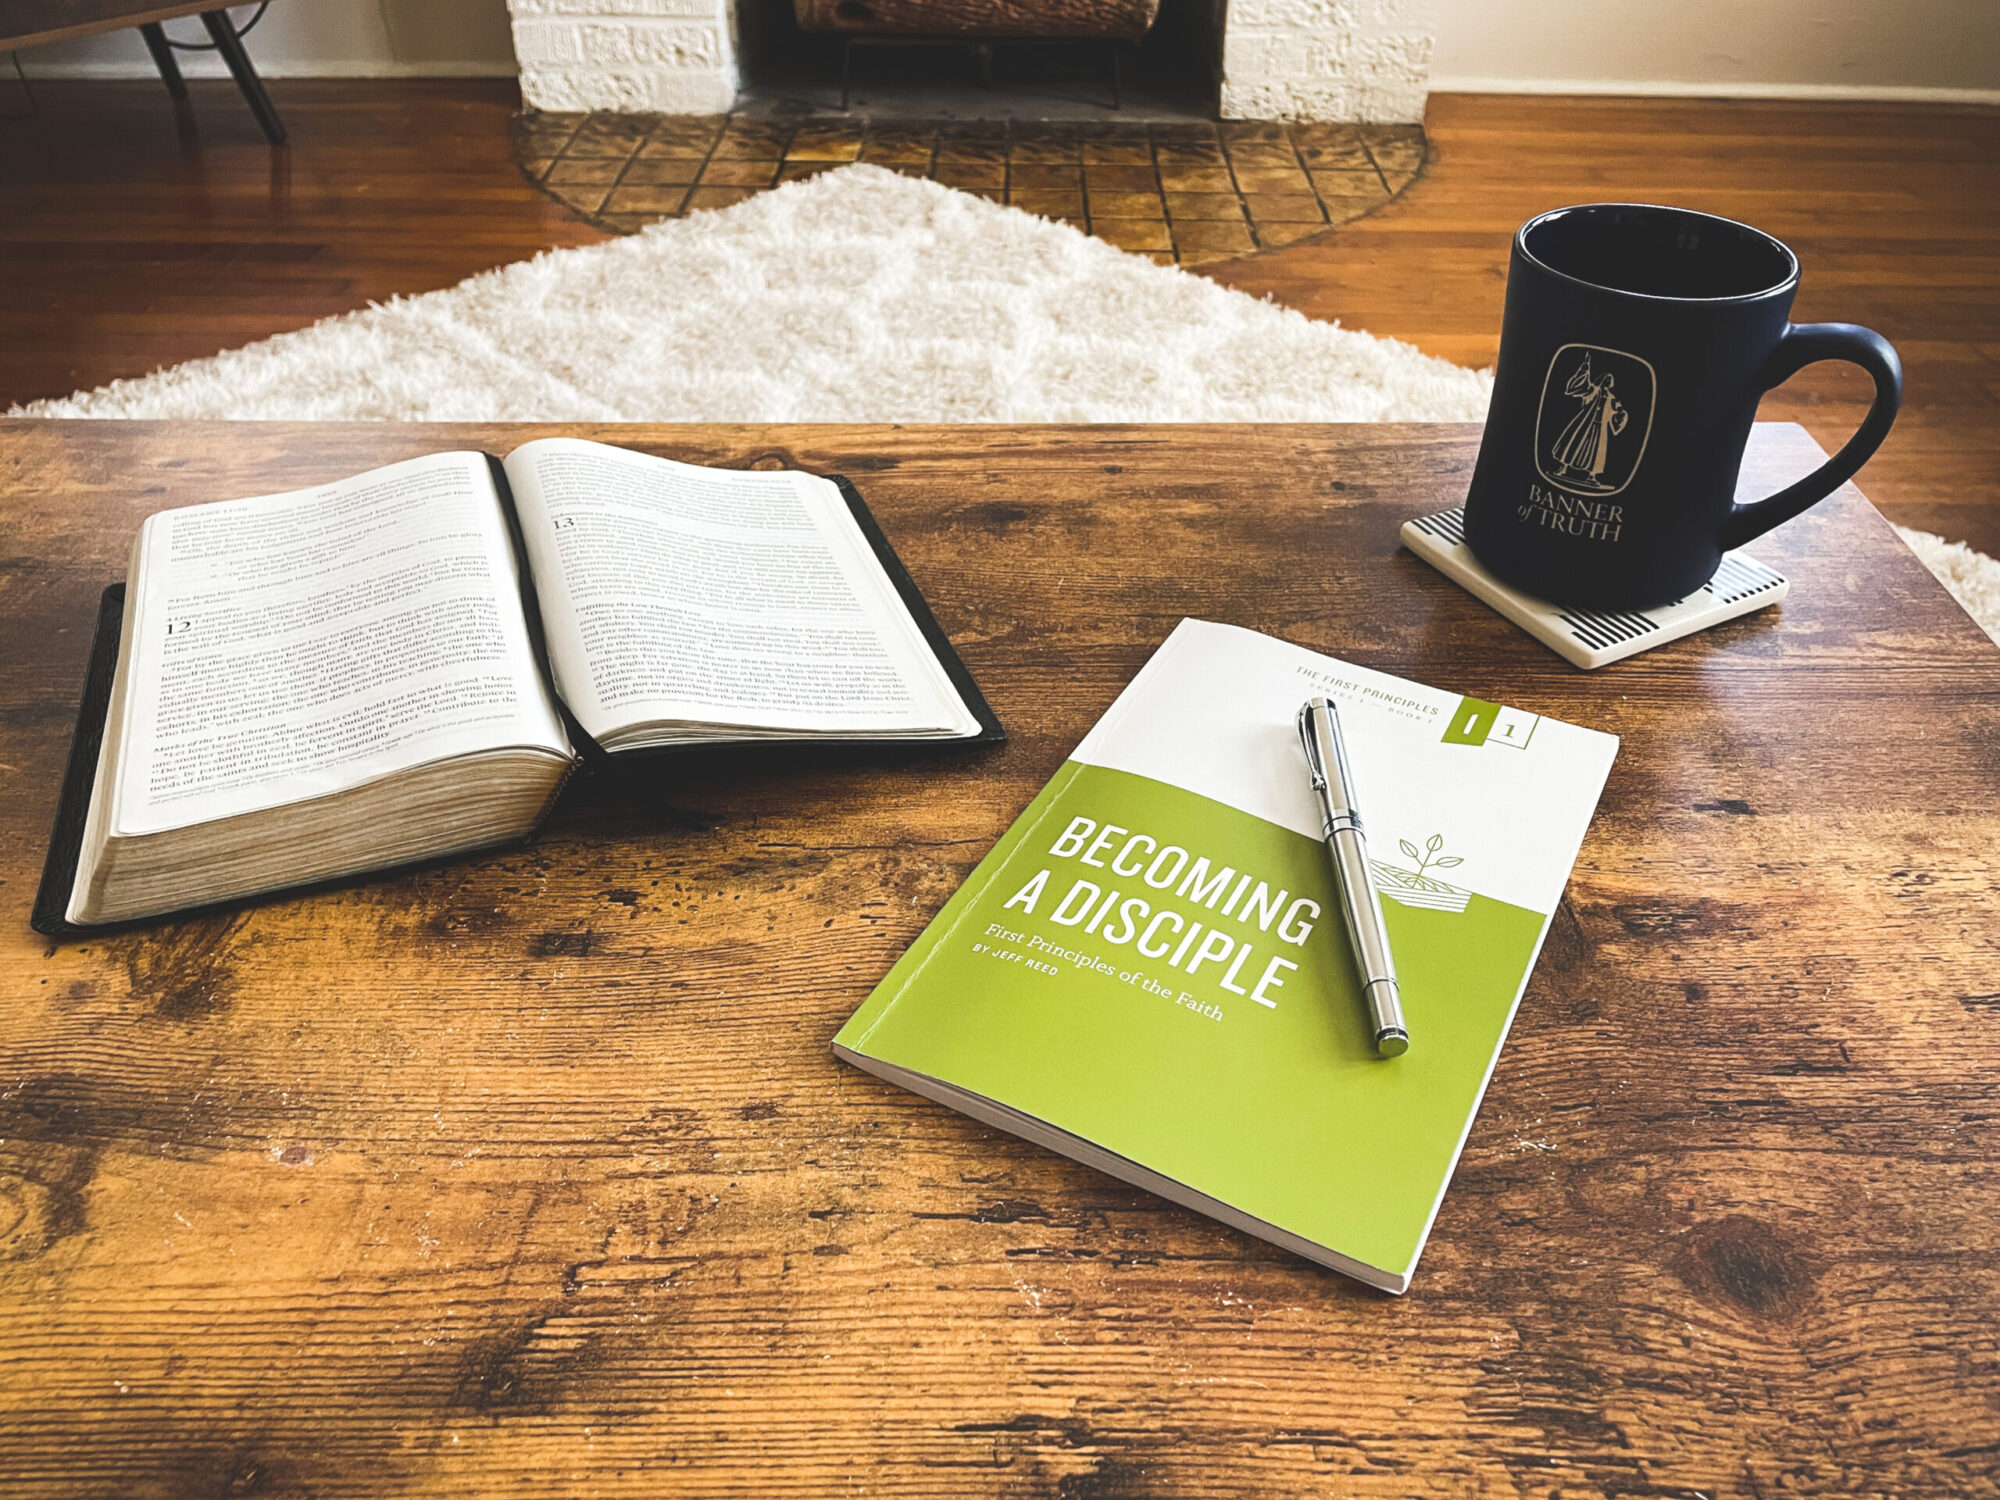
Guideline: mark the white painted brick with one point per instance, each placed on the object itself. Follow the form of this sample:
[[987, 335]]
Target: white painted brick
[[679, 44], [1400, 102], [673, 56], [1286, 101], [547, 44], [1325, 73], [1270, 57], [1304, 15], [673, 44], [594, 9], [1408, 17], [691, 91]]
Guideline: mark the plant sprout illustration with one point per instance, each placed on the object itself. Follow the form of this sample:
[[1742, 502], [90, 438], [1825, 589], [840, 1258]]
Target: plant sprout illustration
[[1419, 887], [1429, 859]]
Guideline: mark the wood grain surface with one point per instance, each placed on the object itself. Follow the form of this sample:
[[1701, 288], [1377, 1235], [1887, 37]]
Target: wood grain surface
[[532, 1175]]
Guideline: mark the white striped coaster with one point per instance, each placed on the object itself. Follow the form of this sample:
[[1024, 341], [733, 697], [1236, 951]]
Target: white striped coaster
[[1594, 638]]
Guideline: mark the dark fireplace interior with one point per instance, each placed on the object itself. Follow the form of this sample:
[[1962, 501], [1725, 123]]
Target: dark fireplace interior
[[922, 59]]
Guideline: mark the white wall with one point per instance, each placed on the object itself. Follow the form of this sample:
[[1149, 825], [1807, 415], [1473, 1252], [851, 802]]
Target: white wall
[[1820, 49], [331, 38]]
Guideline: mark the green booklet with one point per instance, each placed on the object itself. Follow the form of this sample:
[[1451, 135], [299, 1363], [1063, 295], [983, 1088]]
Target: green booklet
[[1149, 972]]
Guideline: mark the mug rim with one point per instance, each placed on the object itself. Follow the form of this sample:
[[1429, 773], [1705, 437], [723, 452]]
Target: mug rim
[[1785, 283]]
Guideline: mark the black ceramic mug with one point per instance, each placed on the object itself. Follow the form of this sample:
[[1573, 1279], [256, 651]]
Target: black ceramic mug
[[1636, 343]]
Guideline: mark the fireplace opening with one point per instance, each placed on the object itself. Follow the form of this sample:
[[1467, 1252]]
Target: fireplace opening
[[1111, 60]]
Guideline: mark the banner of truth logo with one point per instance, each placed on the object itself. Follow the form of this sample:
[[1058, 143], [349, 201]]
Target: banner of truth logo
[[1596, 413]]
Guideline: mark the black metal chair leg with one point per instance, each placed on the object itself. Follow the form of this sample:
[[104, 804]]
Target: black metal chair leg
[[230, 45], [163, 59], [1117, 81]]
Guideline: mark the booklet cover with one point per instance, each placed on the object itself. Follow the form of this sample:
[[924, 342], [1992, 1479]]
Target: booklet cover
[[1149, 972]]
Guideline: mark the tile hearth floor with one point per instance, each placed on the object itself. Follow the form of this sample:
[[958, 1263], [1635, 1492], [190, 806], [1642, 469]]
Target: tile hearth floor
[[1180, 193]]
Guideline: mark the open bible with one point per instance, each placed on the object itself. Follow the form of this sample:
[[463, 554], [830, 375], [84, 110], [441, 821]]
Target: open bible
[[409, 663]]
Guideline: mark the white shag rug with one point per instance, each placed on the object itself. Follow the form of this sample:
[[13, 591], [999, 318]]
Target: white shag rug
[[857, 296]]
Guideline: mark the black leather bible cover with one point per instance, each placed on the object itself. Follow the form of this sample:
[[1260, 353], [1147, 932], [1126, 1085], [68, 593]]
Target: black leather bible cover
[[991, 732], [66, 843]]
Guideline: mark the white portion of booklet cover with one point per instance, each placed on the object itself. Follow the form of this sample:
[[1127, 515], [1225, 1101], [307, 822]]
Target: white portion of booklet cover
[[1405, 739]]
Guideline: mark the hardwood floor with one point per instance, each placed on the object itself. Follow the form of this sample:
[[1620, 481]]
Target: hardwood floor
[[131, 238]]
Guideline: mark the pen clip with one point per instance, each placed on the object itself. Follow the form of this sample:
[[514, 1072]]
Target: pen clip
[[1326, 756], [1310, 741]]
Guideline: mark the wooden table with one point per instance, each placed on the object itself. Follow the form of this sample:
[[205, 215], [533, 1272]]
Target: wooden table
[[532, 1175]]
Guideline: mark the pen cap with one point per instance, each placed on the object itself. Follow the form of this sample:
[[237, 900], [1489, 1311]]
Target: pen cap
[[1326, 753]]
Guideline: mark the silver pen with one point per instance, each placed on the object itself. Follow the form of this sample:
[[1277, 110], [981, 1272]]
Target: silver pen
[[1340, 826]]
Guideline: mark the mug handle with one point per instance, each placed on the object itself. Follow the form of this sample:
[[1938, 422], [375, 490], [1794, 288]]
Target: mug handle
[[1806, 344]]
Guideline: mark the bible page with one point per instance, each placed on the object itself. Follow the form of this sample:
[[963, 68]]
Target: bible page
[[293, 645], [736, 599]]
